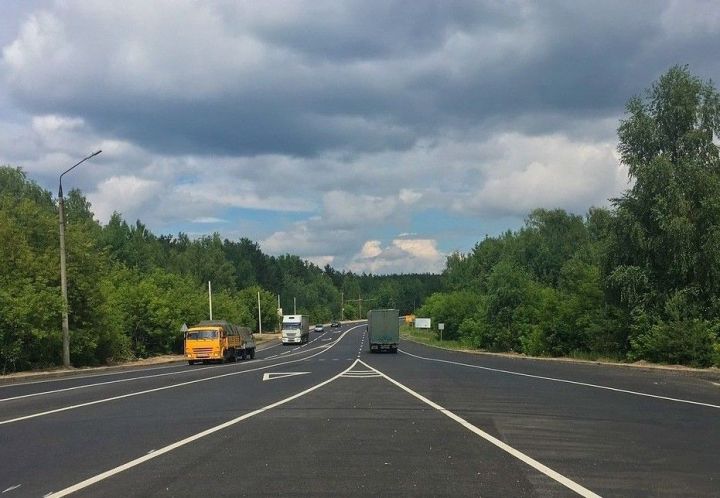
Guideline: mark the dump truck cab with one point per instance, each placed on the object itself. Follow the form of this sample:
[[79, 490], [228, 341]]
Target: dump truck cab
[[218, 341]]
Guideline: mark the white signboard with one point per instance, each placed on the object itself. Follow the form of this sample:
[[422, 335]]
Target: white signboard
[[422, 323], [441, 326]]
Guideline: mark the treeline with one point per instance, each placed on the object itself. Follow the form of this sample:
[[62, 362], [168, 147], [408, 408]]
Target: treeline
[[130, 291], [639, 281]]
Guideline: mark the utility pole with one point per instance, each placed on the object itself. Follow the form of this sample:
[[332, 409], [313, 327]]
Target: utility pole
[[294, 306], [259, 315], [210, 298], [342, 306], [360, 300], [279, 315], [63, 270]]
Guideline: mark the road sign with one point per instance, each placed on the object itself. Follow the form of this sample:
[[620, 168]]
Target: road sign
[[422, 323], [441, 326], [184, 328]]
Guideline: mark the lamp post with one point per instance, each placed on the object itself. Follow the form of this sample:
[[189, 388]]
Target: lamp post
[[63, 275]]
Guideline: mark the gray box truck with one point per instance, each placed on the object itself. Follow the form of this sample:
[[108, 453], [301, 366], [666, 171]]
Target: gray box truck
[[383, 330]]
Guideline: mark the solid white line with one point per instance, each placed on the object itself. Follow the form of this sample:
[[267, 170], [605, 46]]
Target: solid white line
[[190, 439], [565, 381], [107, 374], [74, 377], [171, 386], [568, 483], [141, 377]]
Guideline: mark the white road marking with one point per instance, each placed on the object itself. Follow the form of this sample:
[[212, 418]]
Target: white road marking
[[568, 483], [133, 463], [11, 488], [79, 377], [280, 375], [565, 381], [171, 386], [141, 377], [107, 374]]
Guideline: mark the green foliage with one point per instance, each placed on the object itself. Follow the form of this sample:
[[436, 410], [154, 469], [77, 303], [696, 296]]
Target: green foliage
[[640, 281], [450, 309], [130, 291]]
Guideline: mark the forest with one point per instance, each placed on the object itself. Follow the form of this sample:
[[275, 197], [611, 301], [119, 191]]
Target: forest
[[638, 280], [130, 291]]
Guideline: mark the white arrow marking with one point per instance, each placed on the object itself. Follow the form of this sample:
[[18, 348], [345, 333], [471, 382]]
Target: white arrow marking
[[280, 375]]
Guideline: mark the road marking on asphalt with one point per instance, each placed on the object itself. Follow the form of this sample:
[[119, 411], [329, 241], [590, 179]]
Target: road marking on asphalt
[[11, 488], [568, 483], [141, 377], [280, 375], [565, 381], [363, 374], [133, 463], [322, 350], [107, 374]]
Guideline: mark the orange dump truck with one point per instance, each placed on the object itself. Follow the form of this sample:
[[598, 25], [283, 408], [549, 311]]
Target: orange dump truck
[[218, 341]]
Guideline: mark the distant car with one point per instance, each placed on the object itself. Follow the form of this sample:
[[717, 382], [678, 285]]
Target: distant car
[[319, 327], [335, 323]]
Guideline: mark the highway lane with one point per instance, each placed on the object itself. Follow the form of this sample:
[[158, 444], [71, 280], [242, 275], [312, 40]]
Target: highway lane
[[91, 438], [345, 428], [617, 443]]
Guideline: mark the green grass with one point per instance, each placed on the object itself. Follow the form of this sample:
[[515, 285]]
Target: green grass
[[428, 337]]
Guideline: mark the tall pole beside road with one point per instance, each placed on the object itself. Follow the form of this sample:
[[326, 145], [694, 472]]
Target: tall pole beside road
[[259, 315], [63, 270], [210, 298]]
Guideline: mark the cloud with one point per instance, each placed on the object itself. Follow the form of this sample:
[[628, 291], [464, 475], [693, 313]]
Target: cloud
[[240, 78], [548, 171], [209, 220], [325, 128], [401, 256], [121, 194]]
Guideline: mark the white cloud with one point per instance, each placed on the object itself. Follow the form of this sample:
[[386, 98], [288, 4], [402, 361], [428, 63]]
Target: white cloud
[[370, 249], [122, 194], [544, 171], [347, 132], [401, 256], [321, 261], [209, 220]]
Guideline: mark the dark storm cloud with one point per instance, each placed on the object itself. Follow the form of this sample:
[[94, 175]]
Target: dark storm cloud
[[360, 76]]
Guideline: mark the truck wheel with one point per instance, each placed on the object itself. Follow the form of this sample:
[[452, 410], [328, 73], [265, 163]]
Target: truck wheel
[[191, 362], [252, 353]]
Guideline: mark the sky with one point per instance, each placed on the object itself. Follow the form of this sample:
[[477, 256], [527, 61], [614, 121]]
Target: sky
[[374, 136]]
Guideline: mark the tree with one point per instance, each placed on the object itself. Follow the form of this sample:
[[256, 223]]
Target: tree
[[665, 239]]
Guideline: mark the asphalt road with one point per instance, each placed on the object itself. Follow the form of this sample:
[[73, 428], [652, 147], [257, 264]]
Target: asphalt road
[[423, 422]]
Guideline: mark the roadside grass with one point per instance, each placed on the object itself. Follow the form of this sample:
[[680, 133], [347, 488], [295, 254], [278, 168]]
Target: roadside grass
[[428, 337]]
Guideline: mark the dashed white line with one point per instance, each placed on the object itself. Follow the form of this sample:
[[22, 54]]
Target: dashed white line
[[11, 488]]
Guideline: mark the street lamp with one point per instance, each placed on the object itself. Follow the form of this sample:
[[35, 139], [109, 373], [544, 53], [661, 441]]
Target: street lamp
[[63, 276]]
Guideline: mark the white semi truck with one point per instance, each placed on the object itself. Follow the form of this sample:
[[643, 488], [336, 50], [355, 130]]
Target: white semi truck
[[295, 329]]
